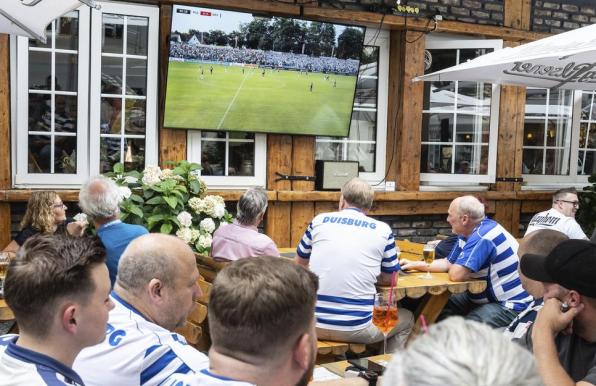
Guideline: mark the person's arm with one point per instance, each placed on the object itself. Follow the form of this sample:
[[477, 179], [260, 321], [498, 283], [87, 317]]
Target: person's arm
[[550, 322], [76, 228], [12, 249], [575, 231], [304, 248], [459, 273], [441, 265]]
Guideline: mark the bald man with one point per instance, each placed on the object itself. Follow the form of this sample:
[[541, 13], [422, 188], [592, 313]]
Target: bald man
[[154, 293]]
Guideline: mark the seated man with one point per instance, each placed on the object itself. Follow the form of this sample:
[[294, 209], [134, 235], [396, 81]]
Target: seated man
[[58, 289], [100, 200], [459, 352], [541, 243], [350, 252], [154, 293], [242, 238], [485, 250], [261, 320], [563, 337]]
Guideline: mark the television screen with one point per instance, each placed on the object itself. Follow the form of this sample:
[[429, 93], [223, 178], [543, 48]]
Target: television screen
[[232, 71]]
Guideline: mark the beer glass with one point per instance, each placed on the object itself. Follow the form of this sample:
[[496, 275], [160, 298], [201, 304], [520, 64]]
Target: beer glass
[[428, 254], [4, 260], [385, 315]]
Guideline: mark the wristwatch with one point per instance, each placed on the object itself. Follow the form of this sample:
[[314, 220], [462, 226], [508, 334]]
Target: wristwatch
[[370, 376]]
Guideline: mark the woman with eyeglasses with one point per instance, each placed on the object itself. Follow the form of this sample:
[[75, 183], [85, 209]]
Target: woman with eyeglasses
[[46, 213]]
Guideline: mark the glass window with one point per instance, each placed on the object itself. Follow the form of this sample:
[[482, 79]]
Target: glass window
[[586, 157]]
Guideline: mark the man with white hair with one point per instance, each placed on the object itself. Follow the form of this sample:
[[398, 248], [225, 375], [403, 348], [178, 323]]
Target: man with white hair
[[459, 352], [154, 293], [100, 201], [485, 250], [242, 238], [561, 217]]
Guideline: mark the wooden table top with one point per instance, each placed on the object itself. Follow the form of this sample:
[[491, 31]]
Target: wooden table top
[[339, 368], [5, 311], [412, 285]]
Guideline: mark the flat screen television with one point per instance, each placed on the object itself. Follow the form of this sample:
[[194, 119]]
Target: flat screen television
[[232, 71]]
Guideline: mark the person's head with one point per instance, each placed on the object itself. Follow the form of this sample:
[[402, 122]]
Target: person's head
[[566, 201], [44, 211], [158, 275], [540, 242], [261, 310], [356, 193], [464, 214], [251, 207], [59, 285], [460, 352], [99, 198], [568, 272]]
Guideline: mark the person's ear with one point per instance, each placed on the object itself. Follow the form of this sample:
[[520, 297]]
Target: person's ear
[[575, 299], [69, 318], [301, 353], [341, 202], [155, 289]]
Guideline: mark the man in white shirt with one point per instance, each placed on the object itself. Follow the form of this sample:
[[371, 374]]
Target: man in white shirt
[[561, 217], [58, 289], [350, 252], [261, 320], [154, 293]]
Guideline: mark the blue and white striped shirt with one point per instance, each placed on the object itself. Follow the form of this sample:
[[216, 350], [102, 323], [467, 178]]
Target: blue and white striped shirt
[[136, 351], [347, 250], [490, 253]]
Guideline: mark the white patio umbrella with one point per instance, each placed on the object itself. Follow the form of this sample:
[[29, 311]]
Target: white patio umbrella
[[566, 60], [31, 17]]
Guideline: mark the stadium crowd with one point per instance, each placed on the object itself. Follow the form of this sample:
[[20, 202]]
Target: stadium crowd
[[272, 59]]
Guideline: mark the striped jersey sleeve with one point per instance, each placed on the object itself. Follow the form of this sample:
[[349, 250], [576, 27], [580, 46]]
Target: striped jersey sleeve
[[305, 245], [390, 261]]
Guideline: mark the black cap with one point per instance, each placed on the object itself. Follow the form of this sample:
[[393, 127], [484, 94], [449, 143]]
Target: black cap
[[571, 264]]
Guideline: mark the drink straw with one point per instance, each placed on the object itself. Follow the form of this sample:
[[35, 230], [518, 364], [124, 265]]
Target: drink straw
[[423, 323], [393, 284]]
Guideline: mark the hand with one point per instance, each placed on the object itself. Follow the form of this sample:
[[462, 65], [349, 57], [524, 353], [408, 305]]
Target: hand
[[406, 265], [552, 320], [76, 228]]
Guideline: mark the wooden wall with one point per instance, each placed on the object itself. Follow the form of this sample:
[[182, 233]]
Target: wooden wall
[[293, 204]]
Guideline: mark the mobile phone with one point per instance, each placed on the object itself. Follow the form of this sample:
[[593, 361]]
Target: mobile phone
[[364, 364], [565, 307]]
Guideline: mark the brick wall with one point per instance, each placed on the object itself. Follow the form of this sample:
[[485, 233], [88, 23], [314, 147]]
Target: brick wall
[[560, 16]]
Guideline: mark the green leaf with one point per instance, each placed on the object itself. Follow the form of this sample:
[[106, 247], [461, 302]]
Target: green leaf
[[135, 210], [157, 217], [136, 198], [165, 228], [157, 200], [195, 186], [118, 168], [172, 201]]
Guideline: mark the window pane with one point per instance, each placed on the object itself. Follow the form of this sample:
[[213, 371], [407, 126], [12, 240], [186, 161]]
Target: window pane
[[474, 97], [67, 31], [588, 108], [110, 152], [134, 153], [65, 154], [437, 127], [136, 35], [472, 128], [363, 126], [136, 76], [65, 114], [560, 104], [557, 133], [328, 151], [113, 27], [110, 118], [533, 160], [471, 159], [242, 159], [48, 43], [466, 54], [111, 75], [40, 70], [213, 158], [533, 132], [40, 153], [556, 162], [435, 159], [439, 95], [586, 164], [40, 112], [536, 102], [240, 135], [67, 66], [214, 134], [135, 116], [439, 59], [364, 153]]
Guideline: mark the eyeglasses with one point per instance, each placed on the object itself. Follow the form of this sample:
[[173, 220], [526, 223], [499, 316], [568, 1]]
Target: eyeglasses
[[574, 203], [61, 205]]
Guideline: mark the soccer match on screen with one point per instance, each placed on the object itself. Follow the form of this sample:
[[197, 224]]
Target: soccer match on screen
[[233, 71]]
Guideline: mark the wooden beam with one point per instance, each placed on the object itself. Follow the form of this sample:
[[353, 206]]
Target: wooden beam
[[517, 14], [409, 133], [533, 206], [303, 161], [5, 154], [279, 160], [394, 110], [278, 223]]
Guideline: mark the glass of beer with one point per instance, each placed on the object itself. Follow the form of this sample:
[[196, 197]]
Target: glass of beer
[[385, 315], [428, 254], [4, 260]]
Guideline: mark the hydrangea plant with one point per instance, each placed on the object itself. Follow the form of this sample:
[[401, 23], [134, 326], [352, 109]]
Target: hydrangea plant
[[172, 201]]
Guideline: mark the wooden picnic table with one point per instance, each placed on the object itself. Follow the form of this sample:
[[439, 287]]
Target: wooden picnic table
[[435, 293], [5, 311]]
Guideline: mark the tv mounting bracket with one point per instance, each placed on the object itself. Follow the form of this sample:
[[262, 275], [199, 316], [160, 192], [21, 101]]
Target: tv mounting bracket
[[284, 177]]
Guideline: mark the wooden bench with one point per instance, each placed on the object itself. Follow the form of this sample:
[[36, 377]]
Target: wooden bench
[[194, 329], [410, 250]]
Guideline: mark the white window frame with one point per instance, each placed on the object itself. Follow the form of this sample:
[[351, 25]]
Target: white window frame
[[377, 38], [89, 88], [555, 181], [193, 150], [442, 181]]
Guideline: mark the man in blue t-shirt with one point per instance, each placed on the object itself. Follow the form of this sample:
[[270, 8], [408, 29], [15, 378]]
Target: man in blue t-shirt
[[100, 199], [485, 250]]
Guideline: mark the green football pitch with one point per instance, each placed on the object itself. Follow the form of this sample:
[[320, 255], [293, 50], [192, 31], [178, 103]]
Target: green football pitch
[[277, 102]]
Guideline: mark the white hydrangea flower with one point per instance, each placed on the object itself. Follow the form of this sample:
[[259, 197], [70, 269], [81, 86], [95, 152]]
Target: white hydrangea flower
[[124, 192], [185, 219], [131, 180], [82, 218], [196, 204], [151, 175], [205, 240], [166, 173], [195, 235], [219, 211], [207, 225], [185, 234]]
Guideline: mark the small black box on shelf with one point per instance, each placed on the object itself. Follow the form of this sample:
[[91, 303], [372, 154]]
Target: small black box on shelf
[[332, 175]]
